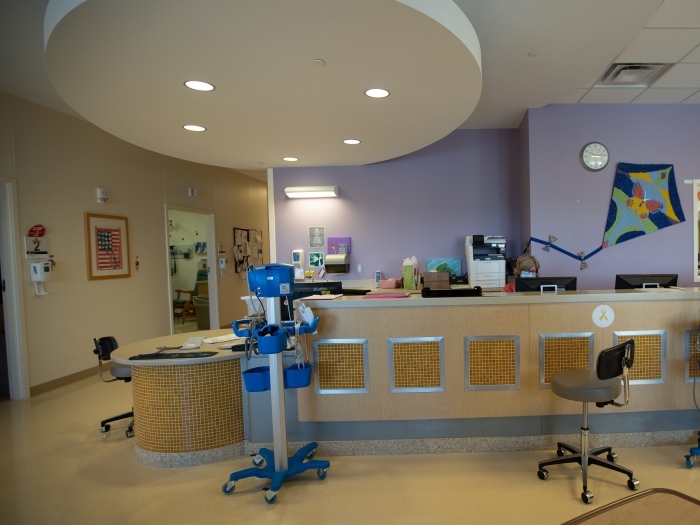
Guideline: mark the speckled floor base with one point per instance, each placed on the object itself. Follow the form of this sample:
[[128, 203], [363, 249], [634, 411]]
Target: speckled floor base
[[188, 459], [487, 444]]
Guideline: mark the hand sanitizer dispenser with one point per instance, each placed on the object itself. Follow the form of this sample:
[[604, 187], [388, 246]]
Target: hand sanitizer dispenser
[[298, 263], [40, 273]]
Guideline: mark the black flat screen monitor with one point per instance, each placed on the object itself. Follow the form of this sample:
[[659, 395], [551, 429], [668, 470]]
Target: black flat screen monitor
[[645, 280], [305, 289], [534, 284]]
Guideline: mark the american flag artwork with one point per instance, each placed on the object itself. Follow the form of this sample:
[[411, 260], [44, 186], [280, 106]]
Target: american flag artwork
[[109, 248]]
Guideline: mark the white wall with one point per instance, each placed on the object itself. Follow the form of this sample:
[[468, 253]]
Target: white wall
[[58, 161]]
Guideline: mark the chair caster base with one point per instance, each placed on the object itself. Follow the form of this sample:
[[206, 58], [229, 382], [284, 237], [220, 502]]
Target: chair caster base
[[543, 474], [587, 497], [633, 483]]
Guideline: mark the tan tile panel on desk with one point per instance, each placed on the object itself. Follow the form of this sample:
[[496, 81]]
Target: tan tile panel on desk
[[565, 353], [188, 408], [694, 355], [674, 317], [416, 364], [491, 362], [341, 366], [558, 319]]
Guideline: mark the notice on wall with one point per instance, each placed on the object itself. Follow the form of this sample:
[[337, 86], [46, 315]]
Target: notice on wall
[[316, 259], [317, 236]]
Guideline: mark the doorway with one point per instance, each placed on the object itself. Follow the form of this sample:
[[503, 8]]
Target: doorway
[[191, 252]]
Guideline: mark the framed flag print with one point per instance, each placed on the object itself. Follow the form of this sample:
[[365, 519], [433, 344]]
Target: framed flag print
[[107, 239]]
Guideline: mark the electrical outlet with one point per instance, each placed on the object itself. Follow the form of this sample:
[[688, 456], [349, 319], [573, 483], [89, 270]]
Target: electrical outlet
[[359, 268]]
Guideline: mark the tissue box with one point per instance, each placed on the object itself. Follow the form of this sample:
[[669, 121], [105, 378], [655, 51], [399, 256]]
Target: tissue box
[[436, 280], [408, 278]]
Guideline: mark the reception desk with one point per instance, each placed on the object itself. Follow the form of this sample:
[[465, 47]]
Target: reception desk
[[476, 357], [186, 411]]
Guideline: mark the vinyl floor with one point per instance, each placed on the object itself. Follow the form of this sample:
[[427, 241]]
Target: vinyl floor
[[57, 467]]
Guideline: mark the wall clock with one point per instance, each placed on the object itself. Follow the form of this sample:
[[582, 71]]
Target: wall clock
[[594, 156]]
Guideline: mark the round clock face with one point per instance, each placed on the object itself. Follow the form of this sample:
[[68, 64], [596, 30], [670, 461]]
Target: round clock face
[[594, 156]]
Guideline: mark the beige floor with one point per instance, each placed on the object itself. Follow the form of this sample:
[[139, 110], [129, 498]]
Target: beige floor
[[190, 325], [56, 467]]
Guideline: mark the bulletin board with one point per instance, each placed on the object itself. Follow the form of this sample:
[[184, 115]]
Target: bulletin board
[[247, 248]]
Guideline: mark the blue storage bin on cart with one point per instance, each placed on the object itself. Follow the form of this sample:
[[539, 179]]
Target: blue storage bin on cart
[[272, 339], [295, 377], [257, 379]]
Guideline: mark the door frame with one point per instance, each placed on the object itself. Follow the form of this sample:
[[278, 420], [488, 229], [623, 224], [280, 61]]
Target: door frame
[[211, 265], [13, 300]]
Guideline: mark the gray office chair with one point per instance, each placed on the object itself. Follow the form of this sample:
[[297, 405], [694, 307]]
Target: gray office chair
[[104, 346], [601, 387]]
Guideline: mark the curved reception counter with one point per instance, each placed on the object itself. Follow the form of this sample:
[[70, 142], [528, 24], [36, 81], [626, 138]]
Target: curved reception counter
[[186, 411], [419, 375]]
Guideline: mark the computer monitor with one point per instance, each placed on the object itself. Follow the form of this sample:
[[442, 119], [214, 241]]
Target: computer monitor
[[535, 284], [305, 289], [645, 280]]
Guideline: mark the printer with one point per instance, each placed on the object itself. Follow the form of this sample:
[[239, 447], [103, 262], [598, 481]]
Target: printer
[[486, 260]]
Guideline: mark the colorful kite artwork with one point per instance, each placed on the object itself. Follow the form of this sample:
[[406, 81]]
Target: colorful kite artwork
[[644, 200]]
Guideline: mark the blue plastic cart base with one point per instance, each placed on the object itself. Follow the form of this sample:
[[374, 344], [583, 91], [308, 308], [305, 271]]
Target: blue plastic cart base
[[298, 463], [694, 451]]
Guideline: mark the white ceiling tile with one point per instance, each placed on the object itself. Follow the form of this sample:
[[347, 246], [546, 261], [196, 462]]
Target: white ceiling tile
[[681, 76], [664, 96], [677, 13], [572, 97], [695, 99], [694, 56], [660, 45], [611, 95]]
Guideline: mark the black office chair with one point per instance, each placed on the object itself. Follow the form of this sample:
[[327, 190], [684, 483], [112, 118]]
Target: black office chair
[[104, 346], [601, 387]]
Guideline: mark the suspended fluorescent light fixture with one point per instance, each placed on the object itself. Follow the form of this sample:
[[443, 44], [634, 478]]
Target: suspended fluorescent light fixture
[[311, 192]]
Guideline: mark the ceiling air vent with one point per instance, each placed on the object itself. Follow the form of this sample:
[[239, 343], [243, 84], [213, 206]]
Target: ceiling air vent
[[632, 75]]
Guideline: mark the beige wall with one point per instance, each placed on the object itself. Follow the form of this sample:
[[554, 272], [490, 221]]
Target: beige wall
[[58, 161]]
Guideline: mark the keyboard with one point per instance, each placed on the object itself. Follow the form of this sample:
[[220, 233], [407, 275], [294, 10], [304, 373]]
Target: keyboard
[[179, 355], [191, 343], [224, 339]]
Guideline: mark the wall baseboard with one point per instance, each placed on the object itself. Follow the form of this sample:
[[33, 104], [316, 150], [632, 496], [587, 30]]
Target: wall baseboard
[[62, 381], [486, 444]]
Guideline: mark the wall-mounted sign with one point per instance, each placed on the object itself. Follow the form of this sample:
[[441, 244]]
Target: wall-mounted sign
[[37, 230], [316, 259], [36, 247], [317, 236], [603, 316], [339, 245]]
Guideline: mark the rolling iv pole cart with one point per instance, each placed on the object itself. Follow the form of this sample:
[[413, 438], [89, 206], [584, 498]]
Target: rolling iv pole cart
[[273, 281]]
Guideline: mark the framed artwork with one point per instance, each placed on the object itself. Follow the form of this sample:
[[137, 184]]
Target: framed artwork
[[107, 243]]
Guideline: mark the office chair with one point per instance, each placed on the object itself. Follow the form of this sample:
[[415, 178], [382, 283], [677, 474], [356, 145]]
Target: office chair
[[104, 346], [601, 387]]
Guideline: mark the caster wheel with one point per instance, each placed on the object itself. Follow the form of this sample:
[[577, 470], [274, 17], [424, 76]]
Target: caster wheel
[[105, 428], [612, 457], [228, 487], [129, 433], [258, 460], [633, 483], [270, 497], [543, 474], [689, 461], [321, 473], [311, 454], [587, 497], [560, 452]]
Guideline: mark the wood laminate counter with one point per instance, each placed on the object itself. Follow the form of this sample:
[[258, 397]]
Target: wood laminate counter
[[493, 356]]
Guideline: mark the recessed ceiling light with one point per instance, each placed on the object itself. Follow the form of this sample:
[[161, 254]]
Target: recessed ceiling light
[[351, 141], [377, 93], [318, 62], [198, 85], [291, 159], [532, 54], [191, 127]]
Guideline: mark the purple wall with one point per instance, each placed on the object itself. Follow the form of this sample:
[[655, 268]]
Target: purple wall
[[572, 204], [421, 204]]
